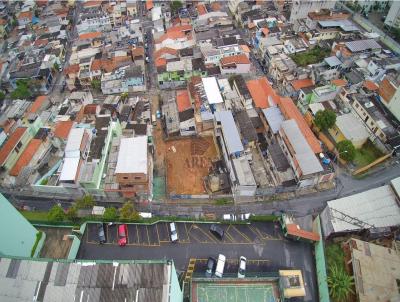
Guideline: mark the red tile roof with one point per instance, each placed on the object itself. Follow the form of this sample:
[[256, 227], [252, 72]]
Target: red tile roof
[[10, 144], [290, 111], [296, 231], [387, 90], [215, 6], [90, 35], [71, 69], [298, 84], [183, 100], [259, 92], [160, 62], [3, 21], [62, 129], [40, 42], [90, 109], [137, 52], [265, 31], [262, 93], [175, 32], [339, 82], [165, 50], [201, 9], [26, 156], [149, 4], [237, 59], [370, 85], [25, 15], [94, 3], [37, 104]]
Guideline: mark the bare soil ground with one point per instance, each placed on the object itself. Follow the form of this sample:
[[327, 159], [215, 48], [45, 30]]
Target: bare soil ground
[[55, 246], [187, 162]]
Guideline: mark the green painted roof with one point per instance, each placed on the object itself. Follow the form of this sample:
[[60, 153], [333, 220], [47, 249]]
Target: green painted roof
[[17, 235]]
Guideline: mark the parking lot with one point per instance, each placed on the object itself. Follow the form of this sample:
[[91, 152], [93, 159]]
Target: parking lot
[[262, 244]]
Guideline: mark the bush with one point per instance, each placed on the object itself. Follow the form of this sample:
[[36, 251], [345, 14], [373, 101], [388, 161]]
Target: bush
[[96, 84], [110, 214], [223, 201], [34, 247], [44, 182], [86, 202], [128, 211], [263, 218], [346, 150], [312, 56], [56, 213], [72, 214]]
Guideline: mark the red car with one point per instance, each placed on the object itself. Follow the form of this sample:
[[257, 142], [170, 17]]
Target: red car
[[122, 234]]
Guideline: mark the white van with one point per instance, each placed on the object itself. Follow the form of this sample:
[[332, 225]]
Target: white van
[[153, 120], [219, 271], [174, 234]]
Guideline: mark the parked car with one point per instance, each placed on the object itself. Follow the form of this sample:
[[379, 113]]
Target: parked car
[[242, 267], [102, 236], [158, 114], [217, 231], [211, 262], [174, 234], [122, 234], [219, 271]]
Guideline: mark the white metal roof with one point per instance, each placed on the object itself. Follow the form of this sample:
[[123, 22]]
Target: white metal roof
[[132, 155], [212, 91], [274, 117], [377, 207], [231, 134], [333, 61], [351, 127], [74, 142], [69, 169], [361, 45], [305, 156]]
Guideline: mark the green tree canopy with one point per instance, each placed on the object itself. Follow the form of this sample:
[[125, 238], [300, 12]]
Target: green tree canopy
[[85, 202], [128, 211], [176, 5], [346, 150], [72, 213], [110, 213], [22, 91], [340, 284], [2, 96], [325, 119], [96, 84], [56, 213]]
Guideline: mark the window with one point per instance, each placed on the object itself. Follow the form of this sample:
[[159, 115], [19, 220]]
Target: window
[[137, 177], [125, 177]]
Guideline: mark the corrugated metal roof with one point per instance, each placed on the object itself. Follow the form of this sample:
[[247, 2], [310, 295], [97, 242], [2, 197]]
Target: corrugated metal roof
[[274, 117], [361, 45], [306, 158], [72, 148], [333, 61], [231, 134], [25, 280], [69, 169], [377, 207]]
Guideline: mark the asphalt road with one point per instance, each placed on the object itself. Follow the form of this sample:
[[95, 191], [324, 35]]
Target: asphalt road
[[261, 243]]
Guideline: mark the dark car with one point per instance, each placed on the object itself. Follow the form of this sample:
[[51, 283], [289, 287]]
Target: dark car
[[102, 236], [217, 231], [211, 262]]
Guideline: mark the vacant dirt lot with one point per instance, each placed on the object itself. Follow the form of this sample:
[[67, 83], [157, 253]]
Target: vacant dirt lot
[[188, 161]]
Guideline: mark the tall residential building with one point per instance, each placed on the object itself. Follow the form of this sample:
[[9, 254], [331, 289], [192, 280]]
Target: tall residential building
[[393, 16], [301, 8], [390, 95]]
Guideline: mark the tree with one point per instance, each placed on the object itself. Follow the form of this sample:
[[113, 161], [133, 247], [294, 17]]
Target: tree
[[325, 119], [128, 211], [56, 213], [85, 202], [340, 284], [124, 96], [22, 91], [72, 213], [2, 96], [110, 213], [346, 150], [56, 67], [96, 84], [175, 6]]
